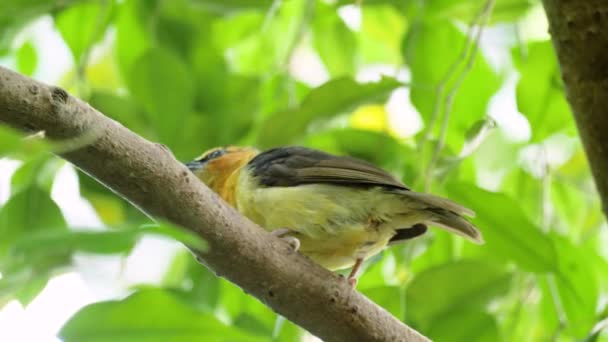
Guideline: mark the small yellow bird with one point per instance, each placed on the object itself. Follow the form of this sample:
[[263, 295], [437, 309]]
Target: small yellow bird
[[338, 211]]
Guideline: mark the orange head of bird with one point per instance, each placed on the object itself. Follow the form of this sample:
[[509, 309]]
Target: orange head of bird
[[219, 168]]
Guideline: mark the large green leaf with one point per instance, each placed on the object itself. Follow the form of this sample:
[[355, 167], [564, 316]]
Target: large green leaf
[[375, 147], [540, 94], [29, 211], [10, 140], [83, 25], [194, 282], [391, 298], [528, 190], [382, 30], [161, 83], [38, 171], [133, 37], [120, 108], [328, 100], [508, 232], [101, 242], [147, 316], [465, 325], [576, 283], [259, 44], [443, 291], [330, 31], [15, 14], [237, 304], [27, 59], [431, 49], [14, 144]]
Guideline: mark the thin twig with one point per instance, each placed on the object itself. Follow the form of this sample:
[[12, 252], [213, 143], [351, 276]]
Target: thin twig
[[440, 87], [528, 290], [307, 13], [83, 62], [449, 100], [559, 306], [545, 190], [271, 14]]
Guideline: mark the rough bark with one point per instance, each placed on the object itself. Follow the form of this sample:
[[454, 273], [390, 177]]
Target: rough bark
[[147, 175], [579, 30]]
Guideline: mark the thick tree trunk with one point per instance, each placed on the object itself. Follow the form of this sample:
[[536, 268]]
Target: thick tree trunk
[[579, 29], [148, 176]]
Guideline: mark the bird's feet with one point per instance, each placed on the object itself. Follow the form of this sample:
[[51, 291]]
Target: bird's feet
[[282, 233], [352, 277]]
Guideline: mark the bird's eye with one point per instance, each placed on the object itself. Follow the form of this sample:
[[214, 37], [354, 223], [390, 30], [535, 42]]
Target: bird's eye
[[212, 155]]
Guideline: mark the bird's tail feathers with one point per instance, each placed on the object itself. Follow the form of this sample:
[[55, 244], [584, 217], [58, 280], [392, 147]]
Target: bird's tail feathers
[[447, 215], [455, 223]]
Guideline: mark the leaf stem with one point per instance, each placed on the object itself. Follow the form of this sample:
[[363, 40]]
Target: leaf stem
[[307, 13], [482, 17]]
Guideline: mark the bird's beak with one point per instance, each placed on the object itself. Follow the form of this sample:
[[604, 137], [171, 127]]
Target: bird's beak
[[195, 165]]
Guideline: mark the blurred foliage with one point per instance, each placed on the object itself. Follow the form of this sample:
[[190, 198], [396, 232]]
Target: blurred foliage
[[194, 74]]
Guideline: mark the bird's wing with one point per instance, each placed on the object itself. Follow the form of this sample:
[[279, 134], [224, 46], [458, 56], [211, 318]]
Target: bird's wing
[[291, 166]]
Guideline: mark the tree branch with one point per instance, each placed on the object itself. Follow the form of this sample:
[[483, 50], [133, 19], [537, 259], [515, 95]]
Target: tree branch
[[579, 29], [149, 177]]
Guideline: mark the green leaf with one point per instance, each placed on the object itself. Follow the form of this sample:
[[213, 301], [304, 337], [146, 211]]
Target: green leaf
[[195, 283], [330, 31], [378, 148], [520, 184], [53, 242], [509, 234], [37, 171], [132, 32], [14, 144], [147, 316], [101, 242], [29, 290], [443, 291], [431, 49], [83, 25], [235, 303], [15, 14], [259, 44], [10, 140], [382, 30], [441, 250], [465, 325], [32, 210], [167, 229], [161, 83], [564, 197], [328, 100], [577, 285], [540, 94], [120, 108], [389, 297], [27, 59]]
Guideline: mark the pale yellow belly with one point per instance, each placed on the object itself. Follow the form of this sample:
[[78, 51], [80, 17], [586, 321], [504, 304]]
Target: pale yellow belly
[[335, 224], [341, 251]]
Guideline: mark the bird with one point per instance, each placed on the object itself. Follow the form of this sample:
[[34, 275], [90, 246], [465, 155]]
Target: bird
[[337, 210]]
